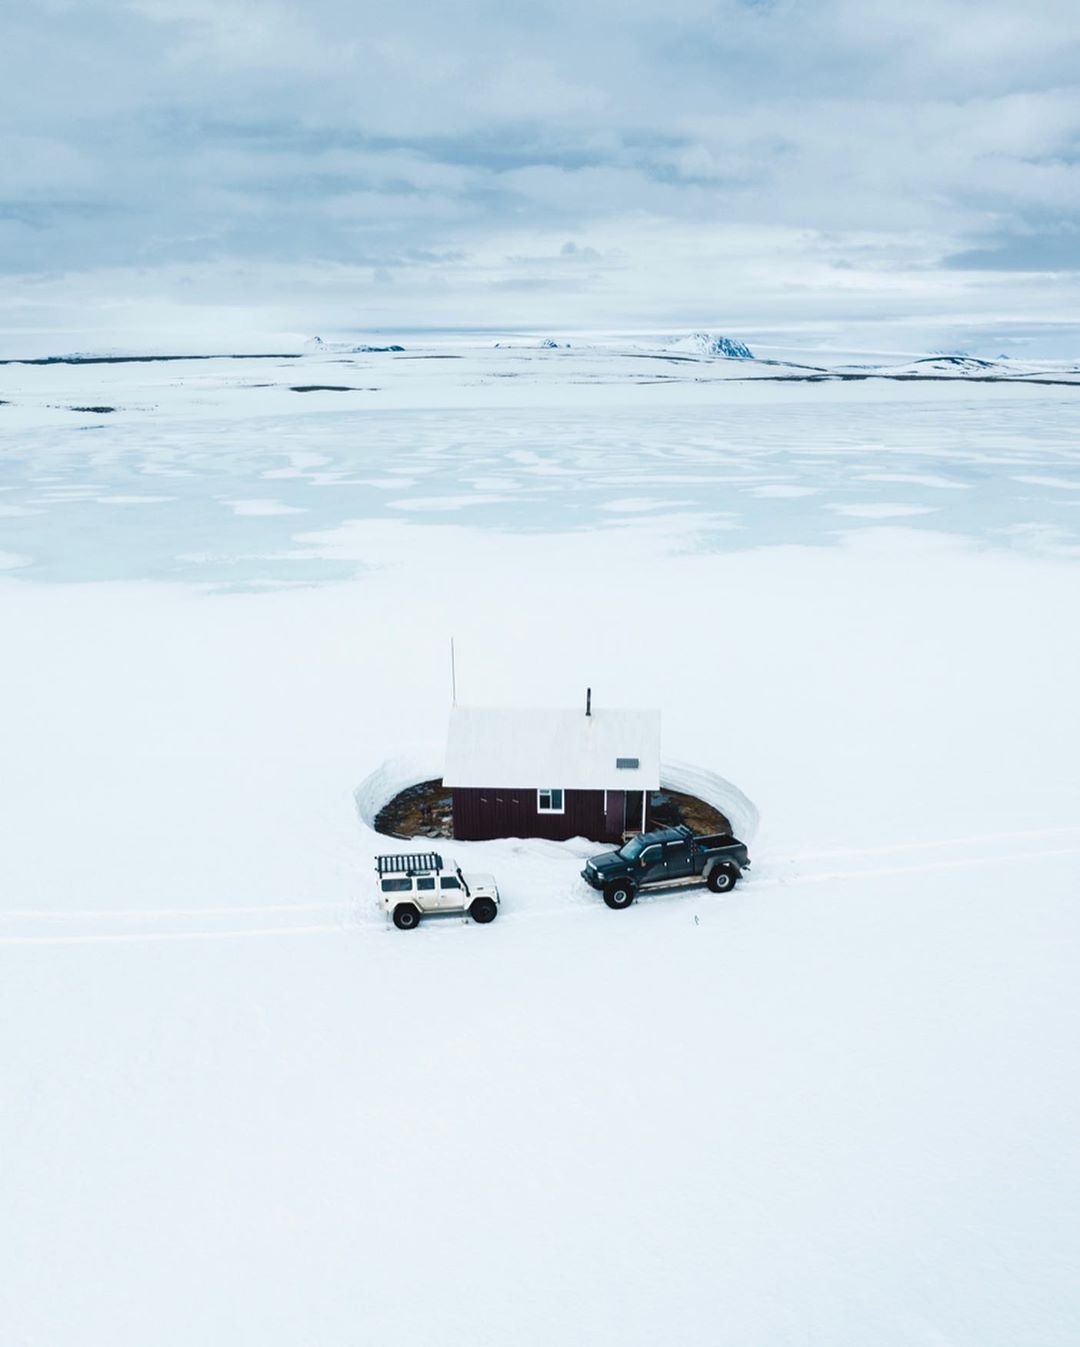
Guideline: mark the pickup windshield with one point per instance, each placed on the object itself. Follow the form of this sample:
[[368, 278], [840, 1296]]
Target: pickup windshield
[[631, 850]]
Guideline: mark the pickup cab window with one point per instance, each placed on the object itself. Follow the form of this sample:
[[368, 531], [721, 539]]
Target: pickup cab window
[[631, 850]]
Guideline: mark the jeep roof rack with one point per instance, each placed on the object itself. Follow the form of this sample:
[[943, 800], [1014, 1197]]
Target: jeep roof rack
[[414, 863]]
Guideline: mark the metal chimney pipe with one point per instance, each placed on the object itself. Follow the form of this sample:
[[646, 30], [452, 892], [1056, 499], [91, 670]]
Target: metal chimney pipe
[[588, 701]]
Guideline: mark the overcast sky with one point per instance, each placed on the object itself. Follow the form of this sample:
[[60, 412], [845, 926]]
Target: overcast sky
[[896, 176]]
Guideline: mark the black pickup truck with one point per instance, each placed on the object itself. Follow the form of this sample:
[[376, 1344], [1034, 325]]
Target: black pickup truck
[[668, 859]]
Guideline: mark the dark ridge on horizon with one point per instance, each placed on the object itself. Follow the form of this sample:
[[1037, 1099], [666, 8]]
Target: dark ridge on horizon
[[143, 359]]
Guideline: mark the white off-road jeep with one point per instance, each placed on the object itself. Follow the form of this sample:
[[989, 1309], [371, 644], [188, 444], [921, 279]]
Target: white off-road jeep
[[420, 885]]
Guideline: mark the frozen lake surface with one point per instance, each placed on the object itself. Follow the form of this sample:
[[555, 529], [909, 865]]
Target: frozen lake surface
[[233, 478]]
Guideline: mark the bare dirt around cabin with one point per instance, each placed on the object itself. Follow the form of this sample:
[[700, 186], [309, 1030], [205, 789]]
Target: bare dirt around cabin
[[426, 810], [423, 810], [671, 807]]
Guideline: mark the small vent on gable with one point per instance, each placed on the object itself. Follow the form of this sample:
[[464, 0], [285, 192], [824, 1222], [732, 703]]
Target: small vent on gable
[[628, 762]]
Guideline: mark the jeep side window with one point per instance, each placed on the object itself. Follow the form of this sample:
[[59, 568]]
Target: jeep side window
[[427, 883], [397, 886], [449, 882]]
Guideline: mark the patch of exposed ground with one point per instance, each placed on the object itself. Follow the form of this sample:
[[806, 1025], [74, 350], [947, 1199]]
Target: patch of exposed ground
[[667, 808], [423, 810]]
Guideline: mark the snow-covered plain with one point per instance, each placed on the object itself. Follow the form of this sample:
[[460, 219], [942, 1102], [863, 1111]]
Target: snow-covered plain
[[838, 1106]]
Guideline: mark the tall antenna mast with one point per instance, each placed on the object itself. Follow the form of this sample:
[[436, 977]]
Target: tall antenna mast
[[453, 675]]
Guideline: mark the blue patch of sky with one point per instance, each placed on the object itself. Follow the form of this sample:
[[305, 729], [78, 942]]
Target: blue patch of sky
[[1055, 249]]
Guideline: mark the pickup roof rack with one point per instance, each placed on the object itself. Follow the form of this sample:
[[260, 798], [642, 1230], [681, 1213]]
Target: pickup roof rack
[[416, 863]]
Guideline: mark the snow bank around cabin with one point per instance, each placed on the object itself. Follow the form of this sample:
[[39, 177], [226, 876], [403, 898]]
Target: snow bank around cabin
[[391, 778], [737, 808]]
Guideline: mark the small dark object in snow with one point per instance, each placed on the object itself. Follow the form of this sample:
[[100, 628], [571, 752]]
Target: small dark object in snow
[[101, 411], [328, 388]]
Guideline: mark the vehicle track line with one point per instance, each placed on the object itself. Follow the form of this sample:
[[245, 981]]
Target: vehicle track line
[[142, 913], [983, 840], [967, 862], [355, 927], [136, 937]]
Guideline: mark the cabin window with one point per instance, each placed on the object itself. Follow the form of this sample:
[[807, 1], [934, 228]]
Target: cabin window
[[629, 763], [549, 802], [397, 885]]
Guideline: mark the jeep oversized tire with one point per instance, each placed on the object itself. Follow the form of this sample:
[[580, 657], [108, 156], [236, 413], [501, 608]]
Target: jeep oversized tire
[[619, 895], [483, 910], [723, 878], [406, 916]]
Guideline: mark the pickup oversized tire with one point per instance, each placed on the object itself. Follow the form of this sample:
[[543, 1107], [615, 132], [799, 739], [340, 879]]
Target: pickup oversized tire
[[483, 910], [723, 877], [619, 895], [406, 916]]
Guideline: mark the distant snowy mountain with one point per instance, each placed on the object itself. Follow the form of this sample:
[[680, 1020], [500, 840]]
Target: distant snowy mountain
[[955, 360], [941, 363], [547, 344], [316, 344], [712, 343]]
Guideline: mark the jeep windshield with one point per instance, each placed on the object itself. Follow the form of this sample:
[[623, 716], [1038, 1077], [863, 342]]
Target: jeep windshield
[[631, 850]]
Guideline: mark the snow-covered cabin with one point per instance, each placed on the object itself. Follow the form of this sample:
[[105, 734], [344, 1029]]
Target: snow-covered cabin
[[555, 774]]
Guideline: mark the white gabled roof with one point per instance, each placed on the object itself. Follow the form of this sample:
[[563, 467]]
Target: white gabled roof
[[562, 749]]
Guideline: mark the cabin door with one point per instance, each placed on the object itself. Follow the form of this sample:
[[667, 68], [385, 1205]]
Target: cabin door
[[634, 817]]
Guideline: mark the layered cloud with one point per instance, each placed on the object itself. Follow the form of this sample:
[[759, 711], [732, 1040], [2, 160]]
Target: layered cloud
[[469, 162]]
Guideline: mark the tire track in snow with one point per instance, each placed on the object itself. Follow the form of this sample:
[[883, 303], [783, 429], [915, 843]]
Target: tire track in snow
[[140, 937], [141, 913], [151, 918], [352, 923], [980, 840], [966, 862]]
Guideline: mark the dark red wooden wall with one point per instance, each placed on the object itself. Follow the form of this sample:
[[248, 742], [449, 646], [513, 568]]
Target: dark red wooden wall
[[480, 814]]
